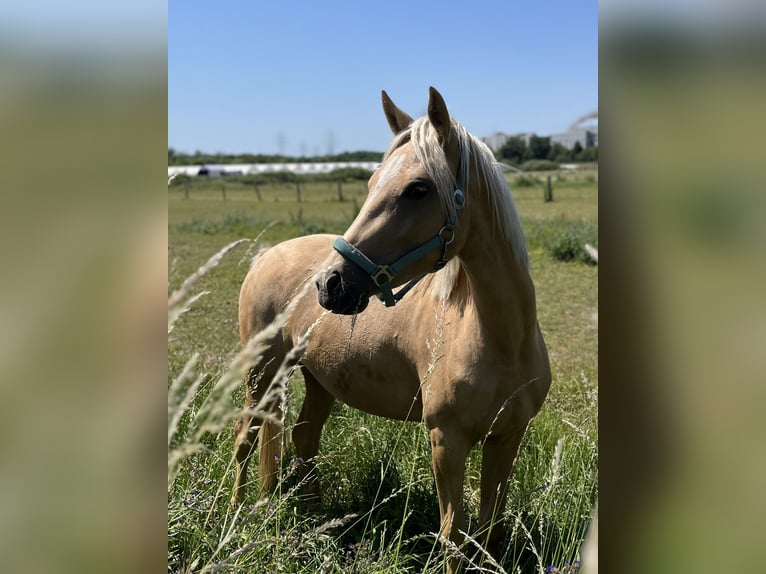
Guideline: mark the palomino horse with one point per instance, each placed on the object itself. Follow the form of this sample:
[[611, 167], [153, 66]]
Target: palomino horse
[[440, 220]]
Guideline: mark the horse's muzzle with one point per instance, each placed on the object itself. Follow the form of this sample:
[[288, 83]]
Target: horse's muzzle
[[340, 296]]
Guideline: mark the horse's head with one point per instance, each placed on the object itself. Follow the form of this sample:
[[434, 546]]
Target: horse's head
[[409, 223]]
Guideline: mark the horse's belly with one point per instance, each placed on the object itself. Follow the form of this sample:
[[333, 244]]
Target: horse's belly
[[384, 388]]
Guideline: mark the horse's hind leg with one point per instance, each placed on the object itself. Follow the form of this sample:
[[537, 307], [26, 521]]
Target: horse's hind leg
[[247, 428], [497, 457], [314, 412]]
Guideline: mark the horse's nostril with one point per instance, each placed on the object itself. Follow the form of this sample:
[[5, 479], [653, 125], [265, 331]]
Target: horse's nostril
[[332, 281]]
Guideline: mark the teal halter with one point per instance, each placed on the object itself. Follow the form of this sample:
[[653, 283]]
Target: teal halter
[[382, 275]]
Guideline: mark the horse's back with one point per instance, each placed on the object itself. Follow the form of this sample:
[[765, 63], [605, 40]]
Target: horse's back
[[275, 277]]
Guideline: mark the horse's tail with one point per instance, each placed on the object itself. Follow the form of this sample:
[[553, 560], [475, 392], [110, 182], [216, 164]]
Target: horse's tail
[[270, 439]]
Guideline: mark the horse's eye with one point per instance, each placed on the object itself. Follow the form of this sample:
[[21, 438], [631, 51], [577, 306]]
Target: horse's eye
[[415, 190]]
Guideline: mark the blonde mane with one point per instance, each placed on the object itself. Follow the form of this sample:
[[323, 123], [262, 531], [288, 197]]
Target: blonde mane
[[476, 161]]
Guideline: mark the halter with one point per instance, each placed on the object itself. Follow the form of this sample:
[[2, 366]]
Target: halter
[[382, 275]]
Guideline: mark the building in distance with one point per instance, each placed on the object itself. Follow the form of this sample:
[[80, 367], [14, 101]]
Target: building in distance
[[584, 130]]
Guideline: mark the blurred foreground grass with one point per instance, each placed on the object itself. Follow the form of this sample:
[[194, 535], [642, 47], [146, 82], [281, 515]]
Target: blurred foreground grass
[[83, 243], [683, 318]]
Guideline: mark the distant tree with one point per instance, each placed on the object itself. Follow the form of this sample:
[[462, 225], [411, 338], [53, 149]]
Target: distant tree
[[559, 154], [539, 147], [362, 155], [576, 150], [588, 154], [199, 157], [513, 150]]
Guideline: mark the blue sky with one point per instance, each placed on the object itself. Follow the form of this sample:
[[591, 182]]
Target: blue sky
[[305, 78]]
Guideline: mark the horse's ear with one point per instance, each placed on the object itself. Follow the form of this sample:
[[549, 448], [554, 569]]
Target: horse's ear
[[397, 119], [438, 115]]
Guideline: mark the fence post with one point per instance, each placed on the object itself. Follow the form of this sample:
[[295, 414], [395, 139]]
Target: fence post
[[298, 190], [223, 191], [257, 191], [340, 190], [548, 190], [186, 189]]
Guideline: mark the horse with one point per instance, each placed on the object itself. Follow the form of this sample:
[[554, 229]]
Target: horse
[[439, 224]]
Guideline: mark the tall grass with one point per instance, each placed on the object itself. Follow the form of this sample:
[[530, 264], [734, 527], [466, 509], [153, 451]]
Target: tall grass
[[379, 510], [563, 239]]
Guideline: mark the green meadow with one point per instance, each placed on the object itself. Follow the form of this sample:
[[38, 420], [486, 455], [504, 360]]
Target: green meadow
[[379, 509]]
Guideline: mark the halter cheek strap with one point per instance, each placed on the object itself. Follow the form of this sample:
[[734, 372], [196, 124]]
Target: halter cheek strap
[[383, 275]]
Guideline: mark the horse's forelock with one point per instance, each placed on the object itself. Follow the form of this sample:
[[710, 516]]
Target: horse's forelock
[[430, 154]]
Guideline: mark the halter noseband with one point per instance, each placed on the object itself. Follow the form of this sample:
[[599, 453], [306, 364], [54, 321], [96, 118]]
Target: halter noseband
[[382, 275]]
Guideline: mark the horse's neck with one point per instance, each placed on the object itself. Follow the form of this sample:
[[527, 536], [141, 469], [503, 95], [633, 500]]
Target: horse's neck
[[502, 291]]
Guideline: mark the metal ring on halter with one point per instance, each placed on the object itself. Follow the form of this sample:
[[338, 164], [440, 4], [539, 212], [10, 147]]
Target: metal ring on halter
[[450, 228]]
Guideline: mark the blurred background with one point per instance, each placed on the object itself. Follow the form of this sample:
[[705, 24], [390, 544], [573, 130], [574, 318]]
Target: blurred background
[[683, 317], [83, 112], [83, 241]]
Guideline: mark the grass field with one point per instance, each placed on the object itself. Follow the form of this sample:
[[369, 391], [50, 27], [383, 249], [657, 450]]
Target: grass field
[[379, 509]]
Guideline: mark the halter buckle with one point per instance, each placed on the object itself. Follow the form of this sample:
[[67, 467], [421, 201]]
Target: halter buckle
[[383, 271]]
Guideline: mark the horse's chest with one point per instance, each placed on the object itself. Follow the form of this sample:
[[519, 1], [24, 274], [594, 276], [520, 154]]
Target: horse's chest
[[378, 381]]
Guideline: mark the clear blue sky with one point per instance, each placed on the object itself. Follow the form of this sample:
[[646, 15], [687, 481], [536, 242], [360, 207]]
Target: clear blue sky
[[305, 77]]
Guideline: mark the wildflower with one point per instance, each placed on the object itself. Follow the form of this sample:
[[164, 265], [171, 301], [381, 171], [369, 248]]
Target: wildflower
[[351, 552]]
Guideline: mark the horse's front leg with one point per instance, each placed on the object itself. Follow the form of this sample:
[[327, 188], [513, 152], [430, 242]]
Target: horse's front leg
[[306, 433], [497, 457], [449, 449]]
